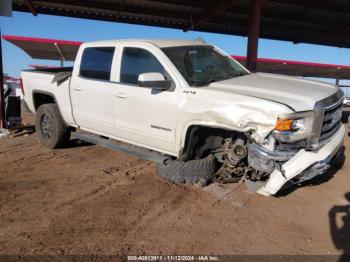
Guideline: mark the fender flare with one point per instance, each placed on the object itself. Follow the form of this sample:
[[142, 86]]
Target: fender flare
[[209, 124], [215, 125], [37, 91]]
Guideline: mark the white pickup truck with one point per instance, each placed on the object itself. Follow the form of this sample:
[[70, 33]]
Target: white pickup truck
[[192, 102]]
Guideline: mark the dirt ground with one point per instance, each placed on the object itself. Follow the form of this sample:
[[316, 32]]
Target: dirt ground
[[89, 200]]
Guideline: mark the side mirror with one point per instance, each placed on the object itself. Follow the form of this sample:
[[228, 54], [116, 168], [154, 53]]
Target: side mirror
[[154, 80]]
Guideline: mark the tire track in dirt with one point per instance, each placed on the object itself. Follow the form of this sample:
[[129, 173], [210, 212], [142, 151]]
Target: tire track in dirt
[[152, 212], [99, 191], [149, 216]]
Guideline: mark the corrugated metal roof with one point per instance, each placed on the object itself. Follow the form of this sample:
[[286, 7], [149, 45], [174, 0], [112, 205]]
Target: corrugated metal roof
[[42, 48], [312, 21]]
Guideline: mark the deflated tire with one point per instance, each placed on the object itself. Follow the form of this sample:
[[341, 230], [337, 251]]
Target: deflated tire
[[190, 172]]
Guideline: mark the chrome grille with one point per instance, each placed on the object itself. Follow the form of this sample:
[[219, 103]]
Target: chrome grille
[[331, 120], [328, 114]]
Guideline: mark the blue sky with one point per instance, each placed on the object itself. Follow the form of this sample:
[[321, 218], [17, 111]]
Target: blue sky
[[24, 24]]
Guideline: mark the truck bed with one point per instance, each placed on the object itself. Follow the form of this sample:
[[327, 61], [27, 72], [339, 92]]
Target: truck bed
[[60, 74], [53, 82]]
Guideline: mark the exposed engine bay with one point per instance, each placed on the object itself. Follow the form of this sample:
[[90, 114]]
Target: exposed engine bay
[[243, 159], [240, 161], [240, 157]]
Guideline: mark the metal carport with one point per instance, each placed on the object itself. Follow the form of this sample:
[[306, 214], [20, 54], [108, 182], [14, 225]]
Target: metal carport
[[66, 50]]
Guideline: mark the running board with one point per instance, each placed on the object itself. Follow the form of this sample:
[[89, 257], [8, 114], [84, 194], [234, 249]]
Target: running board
[[121, 147]]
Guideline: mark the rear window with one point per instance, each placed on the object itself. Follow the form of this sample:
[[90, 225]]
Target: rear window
[[96, 62]]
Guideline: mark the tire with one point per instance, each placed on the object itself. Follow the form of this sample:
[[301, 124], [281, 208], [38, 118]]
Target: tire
[[190, 172], [50, 127]]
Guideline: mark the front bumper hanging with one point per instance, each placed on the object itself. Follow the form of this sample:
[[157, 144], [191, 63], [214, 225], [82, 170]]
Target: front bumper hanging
[[304, 164]]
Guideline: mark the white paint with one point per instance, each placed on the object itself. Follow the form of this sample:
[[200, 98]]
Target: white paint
[[300, 162], [160, 120]]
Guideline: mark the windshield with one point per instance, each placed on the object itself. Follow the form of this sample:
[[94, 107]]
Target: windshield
[[202, 64]]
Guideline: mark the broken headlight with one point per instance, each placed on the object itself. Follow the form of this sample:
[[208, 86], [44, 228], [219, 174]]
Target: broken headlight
[[294, 127]]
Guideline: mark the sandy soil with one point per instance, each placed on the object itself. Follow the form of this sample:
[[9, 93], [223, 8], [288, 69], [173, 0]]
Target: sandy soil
[[89, 200]]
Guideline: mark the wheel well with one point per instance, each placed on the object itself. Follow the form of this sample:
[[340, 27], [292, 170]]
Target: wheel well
[[201, 140], [41, 98]]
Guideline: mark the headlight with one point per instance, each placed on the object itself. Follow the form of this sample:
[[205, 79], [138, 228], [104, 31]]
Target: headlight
[[293, 127]]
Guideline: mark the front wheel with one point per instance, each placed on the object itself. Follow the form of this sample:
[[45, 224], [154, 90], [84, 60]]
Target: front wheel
[[190, 172], [50, 127]]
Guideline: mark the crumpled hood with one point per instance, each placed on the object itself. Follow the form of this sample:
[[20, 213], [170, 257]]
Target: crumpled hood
[[299, 94]]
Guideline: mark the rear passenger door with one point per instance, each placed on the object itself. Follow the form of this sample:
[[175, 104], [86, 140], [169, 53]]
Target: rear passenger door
[[92, 90]]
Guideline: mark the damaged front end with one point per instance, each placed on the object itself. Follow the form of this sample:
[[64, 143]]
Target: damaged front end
[[292, 166], [299, 148]]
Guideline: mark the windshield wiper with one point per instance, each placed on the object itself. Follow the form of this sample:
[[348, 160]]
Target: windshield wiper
[[205, 82]]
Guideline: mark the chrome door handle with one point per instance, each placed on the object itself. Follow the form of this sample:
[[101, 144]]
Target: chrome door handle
[[77, 88], [121, 95]]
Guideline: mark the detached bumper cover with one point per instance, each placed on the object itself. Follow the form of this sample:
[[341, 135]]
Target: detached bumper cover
[[302, 162]]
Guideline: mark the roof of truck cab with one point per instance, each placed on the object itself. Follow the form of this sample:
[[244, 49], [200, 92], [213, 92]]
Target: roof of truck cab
[[161, 43]]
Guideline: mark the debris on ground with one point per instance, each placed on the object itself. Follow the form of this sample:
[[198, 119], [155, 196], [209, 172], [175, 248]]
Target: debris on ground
[[220, 191], [23, 130], [4, 132], [253, 186]]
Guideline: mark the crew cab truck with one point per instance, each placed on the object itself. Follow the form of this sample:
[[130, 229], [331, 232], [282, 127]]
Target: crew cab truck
[[191, 102]]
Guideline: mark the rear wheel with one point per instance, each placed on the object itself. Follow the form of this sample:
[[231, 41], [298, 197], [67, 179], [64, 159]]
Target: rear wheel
[[50, 127]]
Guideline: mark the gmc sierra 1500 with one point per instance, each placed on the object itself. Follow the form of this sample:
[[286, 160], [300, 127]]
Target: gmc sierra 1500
[[193, 103]]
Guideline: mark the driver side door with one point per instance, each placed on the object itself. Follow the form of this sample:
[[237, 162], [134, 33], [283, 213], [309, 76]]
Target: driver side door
[[144, 115]]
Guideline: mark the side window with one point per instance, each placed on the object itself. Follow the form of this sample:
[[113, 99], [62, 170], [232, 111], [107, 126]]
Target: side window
[[136, 61], [96, 62]]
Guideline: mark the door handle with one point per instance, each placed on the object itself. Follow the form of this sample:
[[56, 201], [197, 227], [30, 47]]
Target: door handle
[[77, 88], [121, 95]]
